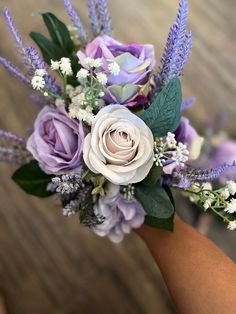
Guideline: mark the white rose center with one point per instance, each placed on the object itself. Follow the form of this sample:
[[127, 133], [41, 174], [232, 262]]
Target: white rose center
[[118, 144]]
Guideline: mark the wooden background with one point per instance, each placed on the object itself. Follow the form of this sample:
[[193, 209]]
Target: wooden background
[[50, 264]]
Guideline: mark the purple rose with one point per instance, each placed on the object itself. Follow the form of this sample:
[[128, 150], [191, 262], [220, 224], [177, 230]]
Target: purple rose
[[57, 141], [187, 135], [121, 215], [136, 64]]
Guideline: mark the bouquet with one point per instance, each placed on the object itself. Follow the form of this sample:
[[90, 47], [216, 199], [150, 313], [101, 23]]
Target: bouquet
[[110, 140]]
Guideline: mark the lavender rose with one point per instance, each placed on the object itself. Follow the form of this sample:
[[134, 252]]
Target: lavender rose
[[121, 215], [57, 141], [120, 146], [136, 62]]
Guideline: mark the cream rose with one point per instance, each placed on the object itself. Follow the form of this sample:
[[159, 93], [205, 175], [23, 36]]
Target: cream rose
[[120, 146]]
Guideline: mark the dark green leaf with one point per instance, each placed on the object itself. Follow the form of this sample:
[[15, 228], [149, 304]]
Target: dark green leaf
[[59, 33], [165, 224], [153, 176], [164, 114], [32, 179], [155, 201], [49, 50]]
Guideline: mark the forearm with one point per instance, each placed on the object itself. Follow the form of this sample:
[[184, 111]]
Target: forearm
[[200, 278]]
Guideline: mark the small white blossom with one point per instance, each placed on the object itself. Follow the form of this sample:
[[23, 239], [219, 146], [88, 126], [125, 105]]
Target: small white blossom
[[208, 202], [40, 72], [101, 94], [170, 140], [89, 62], [38, 82], [102, 78], [207, 186], [59, 102], [55, 65], [180, 156], [78, 100], [45, 94], [231, 186], [232, 225], [65, 66], [85, 115], [97, 63], [231, 207], [114, 68], [82, 74], [225, 194]]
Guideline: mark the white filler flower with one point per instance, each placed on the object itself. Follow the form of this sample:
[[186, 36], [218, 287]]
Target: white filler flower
[[120, 146]]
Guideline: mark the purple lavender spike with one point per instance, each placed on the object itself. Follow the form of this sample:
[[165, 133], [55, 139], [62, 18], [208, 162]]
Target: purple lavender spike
[[13, 30], [14, 155], [76, 21], [187, 103], [95, 25], [8, 136], [14, 70], [177, 49], [36, 62], [189, 175], [104, 16], [13, 148]]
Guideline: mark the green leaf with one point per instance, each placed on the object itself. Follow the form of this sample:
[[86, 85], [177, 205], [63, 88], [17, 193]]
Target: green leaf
[[155, 201], [59, 33], [164, 114], [32, 179], [49, 50], [153, 176], [165, 224]]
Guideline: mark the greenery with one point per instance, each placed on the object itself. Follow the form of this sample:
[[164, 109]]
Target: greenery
[[158, 204], [164, 114], [58, 46], [32, 179]]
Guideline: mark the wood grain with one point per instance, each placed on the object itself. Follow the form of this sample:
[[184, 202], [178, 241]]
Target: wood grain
[[49, 264]]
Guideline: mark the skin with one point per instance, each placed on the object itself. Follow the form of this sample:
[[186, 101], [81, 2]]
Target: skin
[[200, 277]]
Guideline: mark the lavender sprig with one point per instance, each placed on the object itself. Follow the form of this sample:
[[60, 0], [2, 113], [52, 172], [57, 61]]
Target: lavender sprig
[[76, 21], [13, 149], [188, 176], [8, 136], [14, 70], [36, 62], [187, 103], [93, 15], [104, 16], [13, 30], [177, 49]]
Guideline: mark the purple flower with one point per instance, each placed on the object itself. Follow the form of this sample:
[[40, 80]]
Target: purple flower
[[120, 215], [136, 63], [187, 135], [57, 141]]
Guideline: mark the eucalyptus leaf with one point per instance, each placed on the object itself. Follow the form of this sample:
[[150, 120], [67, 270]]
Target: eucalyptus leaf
[[59, 33], [48, 49], [153, 176], [32, 179], [164, 114], [165, 224], [155, 200]]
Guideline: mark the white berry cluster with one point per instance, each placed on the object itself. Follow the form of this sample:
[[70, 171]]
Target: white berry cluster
[[167, 149]]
